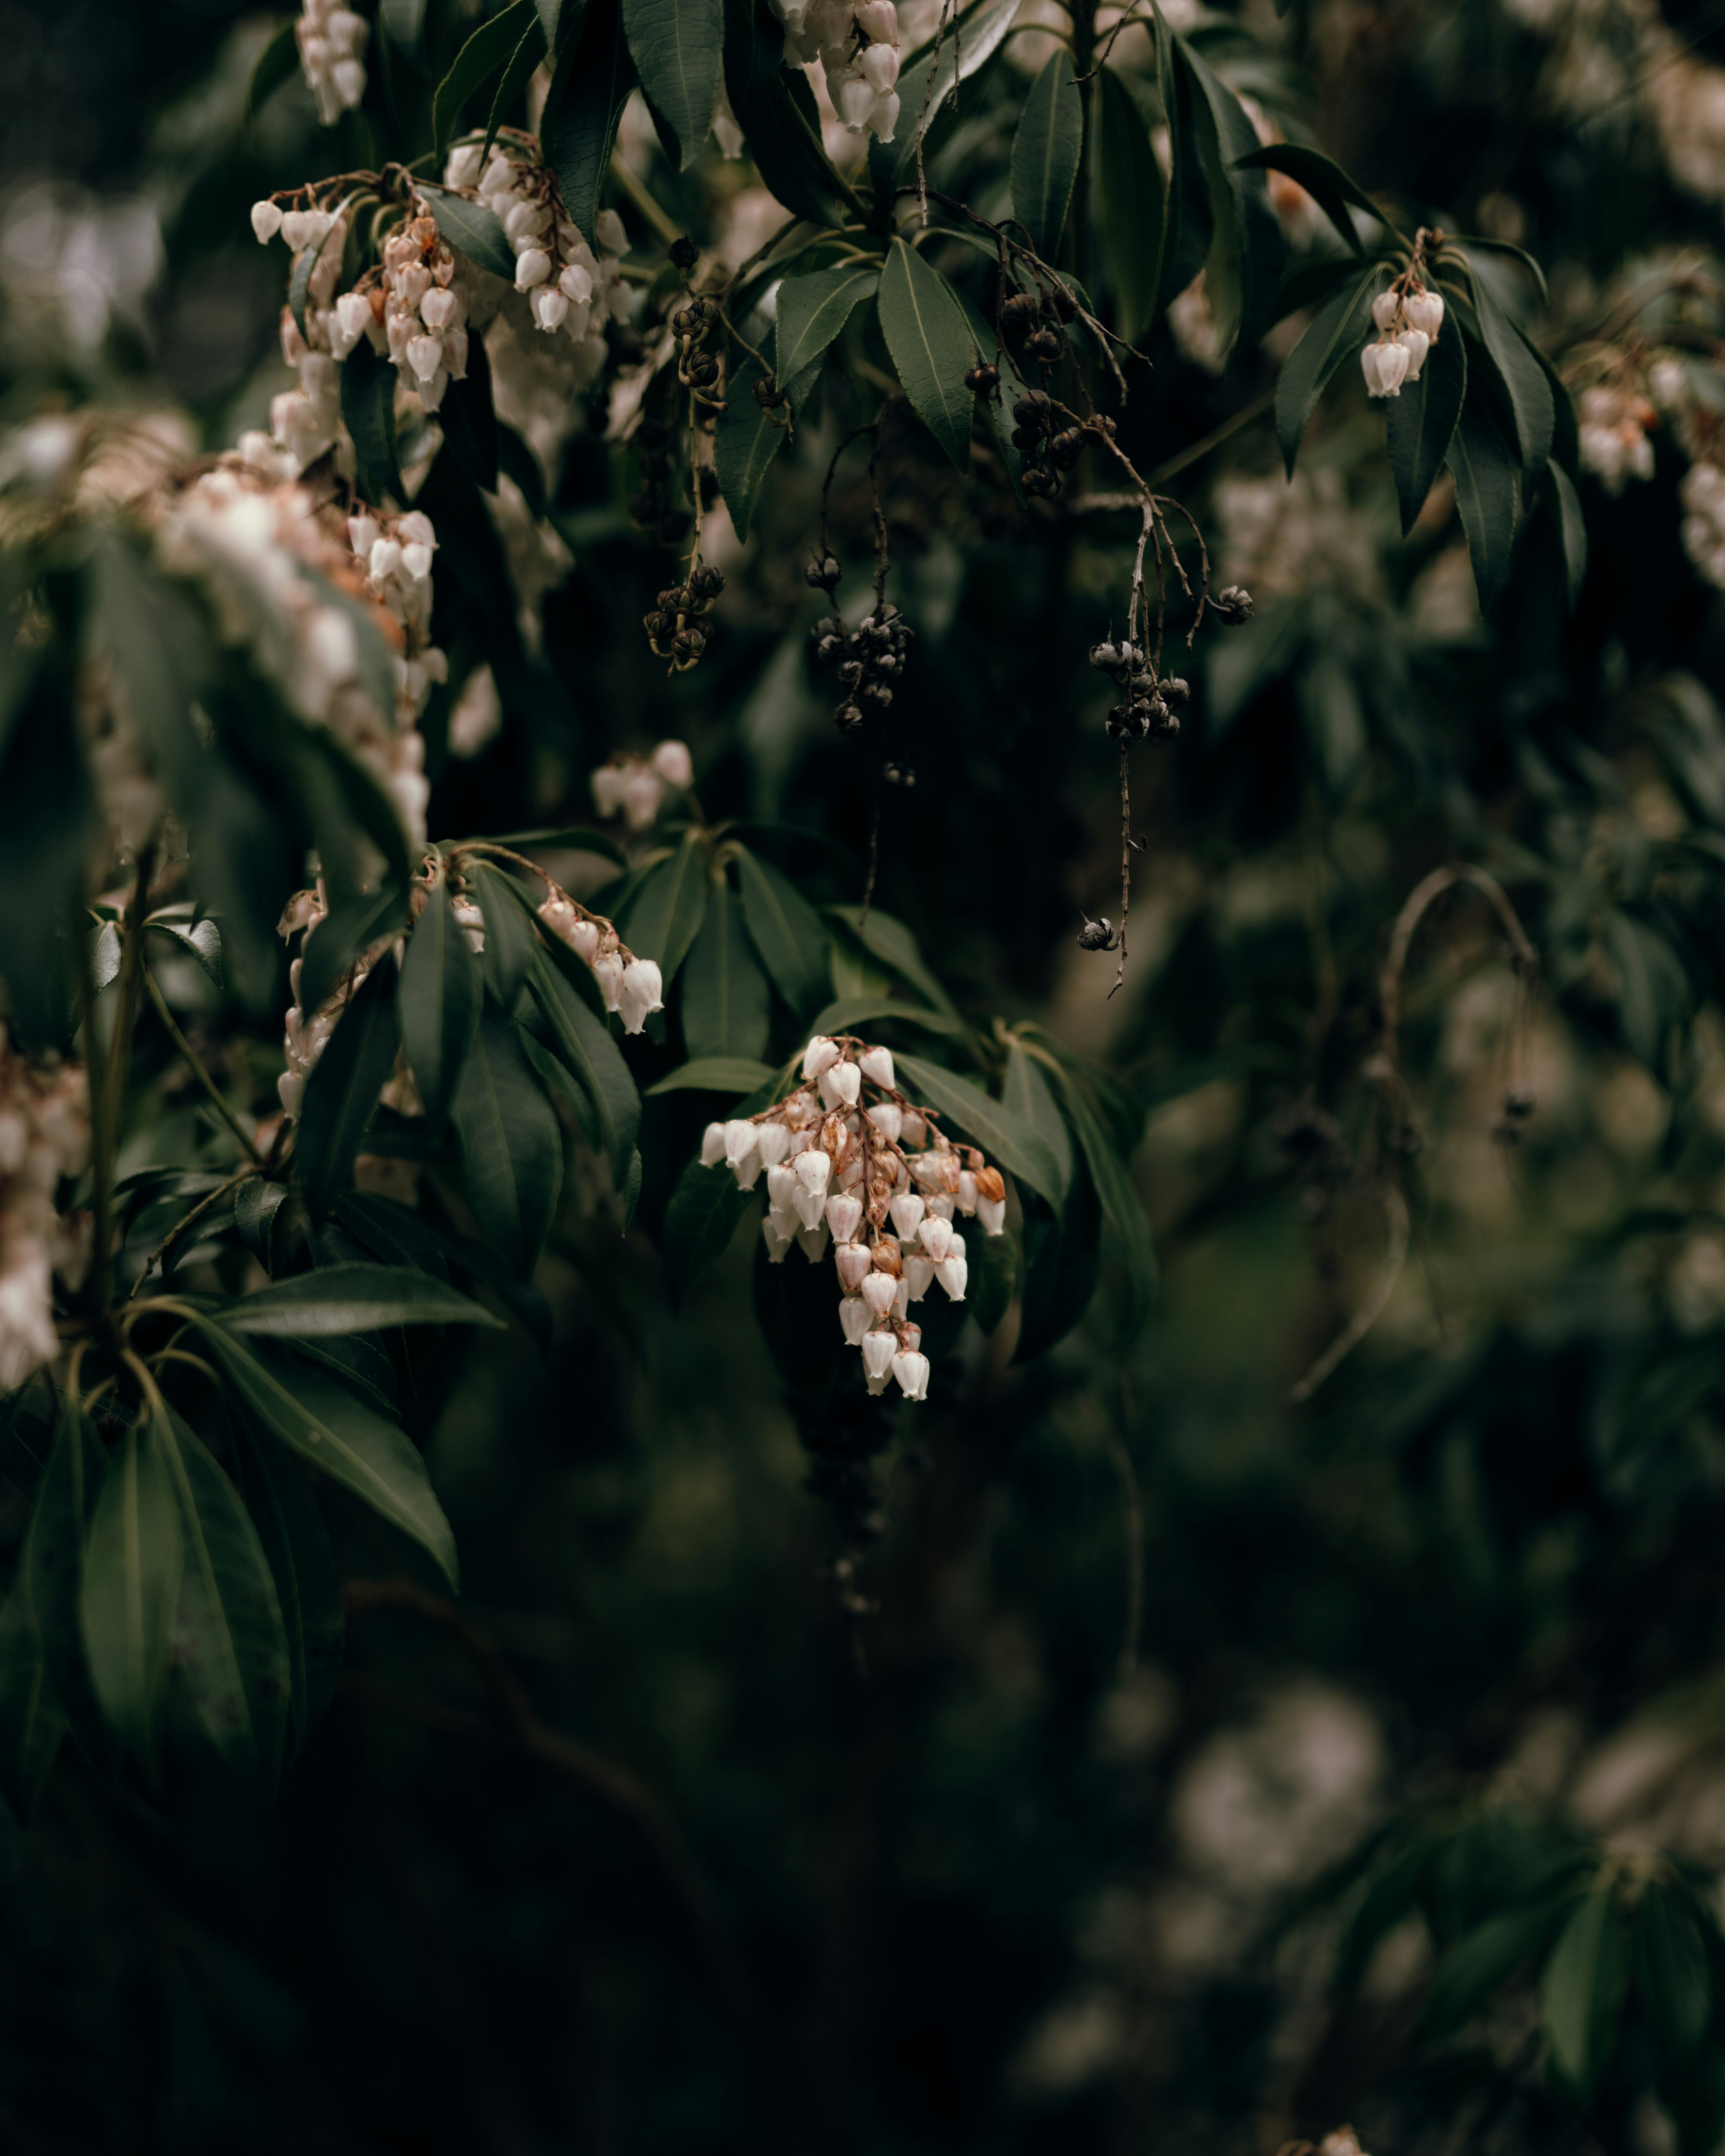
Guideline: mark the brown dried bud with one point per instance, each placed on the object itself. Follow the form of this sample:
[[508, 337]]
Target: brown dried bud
[[884, 1252], [991, 1184]]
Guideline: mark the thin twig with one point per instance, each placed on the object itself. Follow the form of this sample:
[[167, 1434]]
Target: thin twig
[[177, 1233], [1126, 869]]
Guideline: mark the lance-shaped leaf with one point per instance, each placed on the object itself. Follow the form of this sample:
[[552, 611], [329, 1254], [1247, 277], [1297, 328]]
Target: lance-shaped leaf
[[1581, 1994], [316, 1416], [894, 945], [1485, 1959], [470, 421], [472, 230], [849, 1013], [728, 1002], [666, 909], [786, 931], [511, 936], [1133, 207], [715, 1074], [1243, 266], [279, 60], [514, 79], [230, 1650], [1026, 1092], [1572, 528], [401, 1235], [1009, 1141], [132, 1585], [489, 49], [781, 123], [1670, 1973], [813, 309], [1336, 333], [51, 1574], [1046, 154], [700, 1217], [1062, 1262], [256, 1203], [352, 926], [676, 46], [1421, 424], [342, 1091], [745, 441], [303, 1567], [924, 324], [368, 413], [350, 1298], [584, 1044], [441, 991], [511, 1144], [304, 262], [1483, 465], [1122, 1210], [585, 102], [1336, 193], [1520, 374]]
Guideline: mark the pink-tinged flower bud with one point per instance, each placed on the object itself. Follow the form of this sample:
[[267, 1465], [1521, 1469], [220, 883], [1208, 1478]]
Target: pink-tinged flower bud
[[919, 1276], [884, 119], [437, 310], [812, 1242], [878, 1350], [856, 102], [672, 761], [813, 1168], [525, 220], [878, 20], [425, 355], [739, 1140], [607, 783], [1386, 367], [531, 269], [1424, 311], [416, 560], [876, 1064], [941, 1206], [584, 940], [991, 1212], [291, 1089], [641, 992], [471, 922], [877, 1291], [935, 1235], [855, 1319], [712, 1139], [879, 67], [808, 1205], [455, 353], [607, 973], [888, 1118], [362, 535], [643, 790], [907, 1209], [912, 1371], [777, 1236], [965, 1196], [853, 1261], [913, 1131], [844, 1216], [819, 1056], [1385, 308], [1416, 344], [800, 1110], [576, 285], [297, 227], [953, 1271], [774, 1140], [782, 1184], [266, 220]]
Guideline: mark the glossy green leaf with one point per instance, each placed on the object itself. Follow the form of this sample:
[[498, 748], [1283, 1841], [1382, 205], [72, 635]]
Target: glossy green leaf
[[676, 46], [303, 1567], [350, 1298], [1479, 1963], [472, 230], [51, 1572], [401, 1235], [666, 911], [1243, 266], [1522, 377], [812, 310], [230, 1650], [1581, 1994], [369, 384], [1333, 190], [587, 94], [893, 944], [511, 1144], [1483, 465], [351, 927], [490, 47], [319, 1418], [1123, 1214], [441, 991], [745, 441], [1336, 333], [1046, 150], [893, 164], [1572, 528], [715, 1074], [1421, 424], [342, 1091], [786, 931], [700, 1221], [1008, 1140], [851, 1012], [514, 79], [256, 1205], [583, 1042], [511, 937], [202, 941], [277, 63], [132, 1585], [1133, 205], [1026, 1091], [924, 324], [728, 1001]]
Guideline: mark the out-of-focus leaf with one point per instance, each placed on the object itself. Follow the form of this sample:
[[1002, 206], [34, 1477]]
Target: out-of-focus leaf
[[32, 1720], [44, 808], [1062, 1261], [923, 322], [666, 909], [50, 1574], [892, 165], [1486, 1958], [1421, 424], [1581, 1995], [1483, 465], [1670, 1973], [851, 1012], [132, 1585], [700, 1221], [1046, 154], [745, 441], [1333, 190], [993, 1262], [342, 1089], [1243, 266], [893, 944], [202, 941], [511, 1145], [469, 421], [368, 413], [351, 927], [279, 60], [1008, 1140], [586, 1047], [785, 930], [1122, 1210], [1572, 528], [1521, 375], [350, 1298], [489, 49], [1388, 1898], [715, 1074], [441, 992], [587, 94], [676, 46], [1133, 205], [401, 1235], [530, 49], [472, 230], [727, 1003], [303, 1567], [1336, 332]]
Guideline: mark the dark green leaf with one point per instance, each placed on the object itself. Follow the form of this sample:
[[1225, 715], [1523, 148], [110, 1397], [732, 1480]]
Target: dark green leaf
[[405, 22], [893, 944], [44, 807], [1132, 205], [1477, 1965], [676, 46], [1572, 528], [517, 462], [700, 1221], [103, 958], [1670, 1970], [592, 84], [256, 1203], [351, 927], [813, 309], [368, 412], [472, 230], [279, 60], [1581, 1995], [1026, 1092], [584, 1043], [342, 1089], [993, 1262], [1473, 242], [511, 938], [727, 1003], [892, 164], [1062, 1260], [1007, 1139], [1337, 332], [32, 1720], [511, 1144], [470, 424], [754, 48], [132, 1585], [745, 442], [716, 1074], [303, 1567], [851, 1012], [929, 338], [1122, 1210], [403, 1235], [441, 991], [1046, 154], [1243, 266], [786, 931], [51, 1570], [299, 282], [1422, 423], [315, 1415], [230, 1650], [514, 79], [1522, 377], [202, 941], [1388, 1898], [1484, 467], [350, 1298], [489, 49], [1333, 190], [666, 909]]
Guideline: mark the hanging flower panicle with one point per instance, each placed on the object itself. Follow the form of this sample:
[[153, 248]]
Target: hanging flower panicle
[[857, 46], [330, 39], [634, 988], [850, 1159], [634, 786], [1409, 318]]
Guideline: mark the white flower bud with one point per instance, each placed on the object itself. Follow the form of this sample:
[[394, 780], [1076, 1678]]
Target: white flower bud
[[386, 559], [878, 20], [471, 922], [576, 285], [641, 994], [672, 761], [782, 1184], [952, 1272], [349, 77], [416, 559], [1416, 344], [810, 1207], [912, 1371], [1384, 367], [855, 1319], [919, 1276], [888, 1118], [298, 226], [879, 67], [876, 1064], [878, 1350], [855, 101], [991, 1212], [363, 535], [347, 32], [913, 1131], [266, 220], [712, 1145], [607, 971], [820, 1055], [1385, 308], [907, 1211], [1424, 311], [425, 355], [852, 1260], [607, 783], [549, 309], [642, 793], [935, 1236], [462, 171], [841, 1083], [843, 1215], [877, 1291], [965, 1196], [531, 268], [437, 310], [942, 1207], [584, 940], [739, 1141], [774, 1140], [610, 234], [885, 117]]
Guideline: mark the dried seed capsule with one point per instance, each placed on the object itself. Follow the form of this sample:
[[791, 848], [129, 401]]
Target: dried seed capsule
[[849, 717], [851, 673], [1032, 409], [1026, 438], [827, 650], [877, 693], [1097, 934], [1017, 312], [1176, 690], [1041, 482], [705, 309], [704, 370], [767, 391], [1044, 346], [682, 323], [1234, 605], [898, 774], [1065, 306], [821, 576], [1067, 447], [984, 379], [683, 253]]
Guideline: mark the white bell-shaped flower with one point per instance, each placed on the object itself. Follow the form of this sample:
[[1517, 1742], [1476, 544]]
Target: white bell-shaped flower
[[914, 1132], [673, 763], [386, 559], [549, 309], [856, 102], [607, 973], [437, 310], [1424, 311], [416, 559], [853, 1261], [941, 1204], [815, 1169], [964, 1198], [810, 1206], [812, 1242], [907, 1209], [1385, 308], [911, 1368], [991, 1212], [740, 1140], [362, 535], [935, 1236], [266, 220], [820, 1055], [843, 1215], [783, 1185], [879, 67], [888, 1118], [1385, 367], [876, 1064], [919, 1276], [856, 1321], [532, 267], [954, 1272], [1416, 344], [640, 993], [878, 1350], [712, 1146], [878, 1289], [841, 1083], [774, 1140]]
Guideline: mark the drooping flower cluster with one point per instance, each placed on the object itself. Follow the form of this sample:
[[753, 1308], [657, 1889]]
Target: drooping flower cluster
[[332, 38], [632, 987], [857, 46], [45, 1134], [305, 423], [567, 287], [634, 786], [425, 312], [1612, 423], [1409, 318], [266, 558], [845, 1156]]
